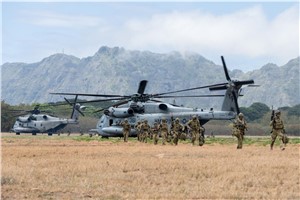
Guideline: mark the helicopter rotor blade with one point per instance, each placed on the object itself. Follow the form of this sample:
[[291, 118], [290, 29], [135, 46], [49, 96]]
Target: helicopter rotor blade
[[246, 82], [91, 101], [68, 101], [195, 88], [225, 69], [197, 96], [80, 111], [142, 87], [222, 87], [91, 95]]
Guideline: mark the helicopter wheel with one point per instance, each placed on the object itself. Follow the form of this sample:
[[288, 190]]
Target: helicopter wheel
[[17, 133], [49, 134], [34, 134]]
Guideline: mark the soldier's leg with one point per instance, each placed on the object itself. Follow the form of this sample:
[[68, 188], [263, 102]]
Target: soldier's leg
[[193, 137], [197, 137], [145, 137], [127, 133], [201, 140], [175, 139], [155, 138], [142, 137], [240, 141], [163, 137], [280, 135], [273, 138]]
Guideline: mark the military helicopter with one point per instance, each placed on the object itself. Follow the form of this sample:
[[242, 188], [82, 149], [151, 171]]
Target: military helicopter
[[35, 122], [141, 106]]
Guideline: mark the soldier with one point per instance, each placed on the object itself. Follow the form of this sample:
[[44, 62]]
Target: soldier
[[239, 127], [137, 129], [155, 130], [126, 129], [194, 126], [201, 135], [177, 128], [164, 129], [278, 130], [145, 128]]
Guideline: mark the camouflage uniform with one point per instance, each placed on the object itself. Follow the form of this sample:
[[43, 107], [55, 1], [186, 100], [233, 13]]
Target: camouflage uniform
[[126, 129], [278, 130], [239, 128], [164, 129], [201, 136], [177, 128], [137, 129], [145, 128], [154, 131], [194, 126]]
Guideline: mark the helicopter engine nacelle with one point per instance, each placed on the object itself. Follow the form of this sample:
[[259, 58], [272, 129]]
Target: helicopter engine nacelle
[[23, 119], [163, 106], [119, 112]]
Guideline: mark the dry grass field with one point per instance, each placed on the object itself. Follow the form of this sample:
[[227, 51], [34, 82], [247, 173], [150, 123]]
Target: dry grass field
[[68, 168]]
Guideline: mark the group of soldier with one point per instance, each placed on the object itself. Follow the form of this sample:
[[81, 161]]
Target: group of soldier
[[171, 135], [193, 126], [277, 130]]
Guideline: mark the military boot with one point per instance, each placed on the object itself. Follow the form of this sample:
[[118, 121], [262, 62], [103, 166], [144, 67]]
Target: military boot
[[272, 143]]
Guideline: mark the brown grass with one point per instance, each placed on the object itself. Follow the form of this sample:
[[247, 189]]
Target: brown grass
[[34, 168]]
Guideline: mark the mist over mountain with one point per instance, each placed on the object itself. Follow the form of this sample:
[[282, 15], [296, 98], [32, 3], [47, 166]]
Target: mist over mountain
[[119, 71]]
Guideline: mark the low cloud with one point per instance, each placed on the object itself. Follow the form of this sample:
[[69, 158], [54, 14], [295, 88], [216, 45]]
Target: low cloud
[[244, 33]]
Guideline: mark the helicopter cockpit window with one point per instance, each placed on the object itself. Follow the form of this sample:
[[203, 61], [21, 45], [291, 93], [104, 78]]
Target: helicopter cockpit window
[[111, 121]]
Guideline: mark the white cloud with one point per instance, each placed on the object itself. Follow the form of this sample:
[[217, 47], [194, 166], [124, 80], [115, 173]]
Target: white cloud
[[247, 37], [244, 33]]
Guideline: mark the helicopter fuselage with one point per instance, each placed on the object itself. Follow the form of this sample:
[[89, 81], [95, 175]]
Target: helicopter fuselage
[[109, 123], [40, 123]]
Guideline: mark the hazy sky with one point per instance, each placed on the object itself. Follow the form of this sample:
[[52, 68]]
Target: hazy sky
[[249, 35]]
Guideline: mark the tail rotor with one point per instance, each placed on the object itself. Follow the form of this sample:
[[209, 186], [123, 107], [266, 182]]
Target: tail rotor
[[232, 88]]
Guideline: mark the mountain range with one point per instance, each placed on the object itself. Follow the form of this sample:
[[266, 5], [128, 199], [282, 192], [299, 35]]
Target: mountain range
[[118, 71]]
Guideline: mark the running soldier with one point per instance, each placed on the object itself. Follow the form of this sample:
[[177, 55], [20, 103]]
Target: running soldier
[[278, 130], [194, 126], [137, 128], [239, 127], [201, 136], [176, 130], [145, 128], [164, 129], [154, 131], [126, 129]]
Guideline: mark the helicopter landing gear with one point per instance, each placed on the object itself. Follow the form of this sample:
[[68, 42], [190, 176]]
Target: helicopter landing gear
[[49, 134], [17, 133], [34, 134]]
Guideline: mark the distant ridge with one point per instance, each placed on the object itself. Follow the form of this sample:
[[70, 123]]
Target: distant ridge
[[118, 71]]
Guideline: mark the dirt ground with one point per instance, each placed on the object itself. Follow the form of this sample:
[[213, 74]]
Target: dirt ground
[[64, 168]]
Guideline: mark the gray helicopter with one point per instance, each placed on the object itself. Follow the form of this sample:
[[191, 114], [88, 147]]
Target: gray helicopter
[[141, 106], [36, 122]]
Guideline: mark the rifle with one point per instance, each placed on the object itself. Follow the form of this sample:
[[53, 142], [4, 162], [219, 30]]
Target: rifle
[[272, 119], [272, 115]]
